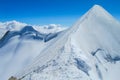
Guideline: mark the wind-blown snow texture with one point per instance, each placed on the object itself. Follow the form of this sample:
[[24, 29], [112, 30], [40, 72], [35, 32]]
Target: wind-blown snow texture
[[20, 44], [90, 50]]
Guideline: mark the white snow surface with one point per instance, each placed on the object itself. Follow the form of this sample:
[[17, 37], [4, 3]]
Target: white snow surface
[[20, 44], [15, 25], [90, 50], [2, 32]]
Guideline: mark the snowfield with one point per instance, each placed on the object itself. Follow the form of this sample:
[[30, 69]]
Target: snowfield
[[20, 44], [89, 50]]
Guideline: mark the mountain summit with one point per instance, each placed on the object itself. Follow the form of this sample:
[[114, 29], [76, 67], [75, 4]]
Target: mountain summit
[[89, 50], [97, 12]]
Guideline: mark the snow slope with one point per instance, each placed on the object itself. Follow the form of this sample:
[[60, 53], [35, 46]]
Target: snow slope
[[87, 51], [19, 45], [2, 32]]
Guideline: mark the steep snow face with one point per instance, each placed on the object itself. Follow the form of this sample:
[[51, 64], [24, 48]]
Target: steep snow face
[[98, 30], [2, 32], [97, 34], [87, 51], [18, 47], [67, 64]]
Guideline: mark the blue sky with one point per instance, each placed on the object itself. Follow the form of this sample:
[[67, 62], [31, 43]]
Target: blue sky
[[64, 12]]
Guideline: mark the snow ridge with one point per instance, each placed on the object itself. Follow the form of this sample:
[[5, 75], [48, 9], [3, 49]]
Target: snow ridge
[[88, 51], [19, 45]]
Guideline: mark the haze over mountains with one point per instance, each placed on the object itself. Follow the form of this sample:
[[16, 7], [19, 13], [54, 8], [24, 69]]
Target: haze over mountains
[[20, 43], [89, 50]]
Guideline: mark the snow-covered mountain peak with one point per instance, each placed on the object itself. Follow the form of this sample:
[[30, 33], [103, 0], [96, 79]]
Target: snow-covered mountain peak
[[87, 51], [97, 12], [98, 26], [97, 7]]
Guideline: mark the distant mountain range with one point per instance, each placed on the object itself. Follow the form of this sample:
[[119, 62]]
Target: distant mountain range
[[20, 43]]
